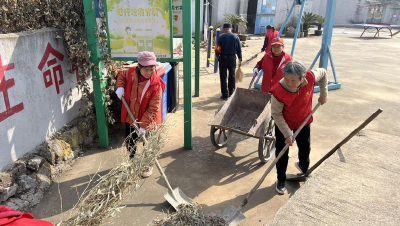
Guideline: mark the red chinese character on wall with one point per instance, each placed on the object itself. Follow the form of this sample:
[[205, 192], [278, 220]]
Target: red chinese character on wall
[[4, 86], [56, 69]]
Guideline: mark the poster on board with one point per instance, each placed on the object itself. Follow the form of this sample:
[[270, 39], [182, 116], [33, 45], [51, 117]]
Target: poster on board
[[139, 25], [177, 17]]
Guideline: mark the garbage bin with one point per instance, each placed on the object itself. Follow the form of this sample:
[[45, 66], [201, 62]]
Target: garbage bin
[[164, 76], [173, 87]]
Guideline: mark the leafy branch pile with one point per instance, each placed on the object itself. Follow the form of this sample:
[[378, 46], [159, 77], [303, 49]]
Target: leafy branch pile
[[68, 16]]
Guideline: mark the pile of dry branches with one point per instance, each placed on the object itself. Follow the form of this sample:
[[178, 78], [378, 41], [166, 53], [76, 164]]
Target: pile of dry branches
[[104, 199], [190, 215]]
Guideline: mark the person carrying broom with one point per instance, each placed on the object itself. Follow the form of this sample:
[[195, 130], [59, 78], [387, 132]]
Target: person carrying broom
[[290, 105], [142, 89], [228, 46]]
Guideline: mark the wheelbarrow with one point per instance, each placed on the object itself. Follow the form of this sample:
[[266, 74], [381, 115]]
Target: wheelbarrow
[[246, 112]]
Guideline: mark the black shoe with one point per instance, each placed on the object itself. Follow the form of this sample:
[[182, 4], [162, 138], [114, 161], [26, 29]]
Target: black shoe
[[280, 187], [224, 98], [300, 168]]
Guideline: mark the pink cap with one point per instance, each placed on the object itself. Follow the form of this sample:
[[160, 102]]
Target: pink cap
[[147, 58], [277, 41]]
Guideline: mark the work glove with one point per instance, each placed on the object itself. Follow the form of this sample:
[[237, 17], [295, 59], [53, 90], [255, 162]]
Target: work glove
[[255, 71], [142, 132], [120, 92]]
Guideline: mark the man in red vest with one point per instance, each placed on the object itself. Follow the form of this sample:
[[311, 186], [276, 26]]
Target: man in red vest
[[272, 64], [142, 89], [290, 106]]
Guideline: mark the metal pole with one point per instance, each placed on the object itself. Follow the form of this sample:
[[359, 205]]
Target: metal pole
[[298, 26], [209, 45], [205, 27], [197, 51], [332, 65], [327, 34], [187, 73], [99, 99], [215, 57], [315, 60]]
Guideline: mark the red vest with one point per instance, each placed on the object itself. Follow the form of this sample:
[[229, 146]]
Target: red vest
[[270, 78], [11, 217], [155, 83], [271, 35], [298, 104]]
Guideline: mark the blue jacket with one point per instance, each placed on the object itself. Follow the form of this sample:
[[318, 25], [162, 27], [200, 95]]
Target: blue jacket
[[230, 45]]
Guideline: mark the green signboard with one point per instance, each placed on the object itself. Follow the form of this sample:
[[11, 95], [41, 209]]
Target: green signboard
[[139, 25]]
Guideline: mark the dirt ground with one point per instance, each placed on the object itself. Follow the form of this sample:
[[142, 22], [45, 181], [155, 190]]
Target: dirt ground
[[368, 69]]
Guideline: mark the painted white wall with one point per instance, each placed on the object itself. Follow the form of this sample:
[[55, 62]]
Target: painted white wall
[[44, 111], [220, 7], [347, 11], [387, 14], [283, 7]]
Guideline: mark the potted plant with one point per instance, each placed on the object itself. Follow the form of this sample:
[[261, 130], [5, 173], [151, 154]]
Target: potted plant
[[320, 20], [236, 21], [307, 19], [290, 32]]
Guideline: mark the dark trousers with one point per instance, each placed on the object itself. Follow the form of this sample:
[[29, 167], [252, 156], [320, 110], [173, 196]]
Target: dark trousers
[[130, 140], [304, 145], [227, 62]]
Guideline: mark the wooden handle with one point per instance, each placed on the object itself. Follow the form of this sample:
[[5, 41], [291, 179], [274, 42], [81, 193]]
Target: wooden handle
[[345, 140], [131, 115], [145, 141]]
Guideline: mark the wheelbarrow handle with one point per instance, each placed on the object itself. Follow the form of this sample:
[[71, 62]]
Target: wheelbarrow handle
[[135, 125], [252, 80], [245, 201]]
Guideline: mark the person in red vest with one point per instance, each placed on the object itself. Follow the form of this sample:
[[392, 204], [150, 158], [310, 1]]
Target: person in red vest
[[290, 105], [142, 89], [271, 34], [272, 64], [11, 217]]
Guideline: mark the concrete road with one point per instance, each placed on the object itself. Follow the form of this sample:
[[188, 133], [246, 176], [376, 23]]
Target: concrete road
[[358, 188], [368, 69]]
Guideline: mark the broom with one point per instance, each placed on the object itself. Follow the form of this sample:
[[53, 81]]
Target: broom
[[239, 75]]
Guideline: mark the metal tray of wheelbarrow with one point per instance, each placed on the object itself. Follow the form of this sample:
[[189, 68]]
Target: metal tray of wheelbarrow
[[246, 112]]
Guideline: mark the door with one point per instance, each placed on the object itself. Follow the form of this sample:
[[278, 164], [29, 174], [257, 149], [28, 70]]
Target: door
[[251, 16], [265, 15]]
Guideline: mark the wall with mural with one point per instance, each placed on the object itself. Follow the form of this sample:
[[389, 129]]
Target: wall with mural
[[38, 93]]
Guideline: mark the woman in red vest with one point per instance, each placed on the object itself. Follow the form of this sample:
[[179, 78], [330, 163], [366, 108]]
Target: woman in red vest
[[290, 105], [11, 217], [269, 36], [272, 64], [142, 89]]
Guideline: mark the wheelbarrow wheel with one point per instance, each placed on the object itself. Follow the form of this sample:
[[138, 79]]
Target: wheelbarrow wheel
[[219, 137], [266, 143]]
